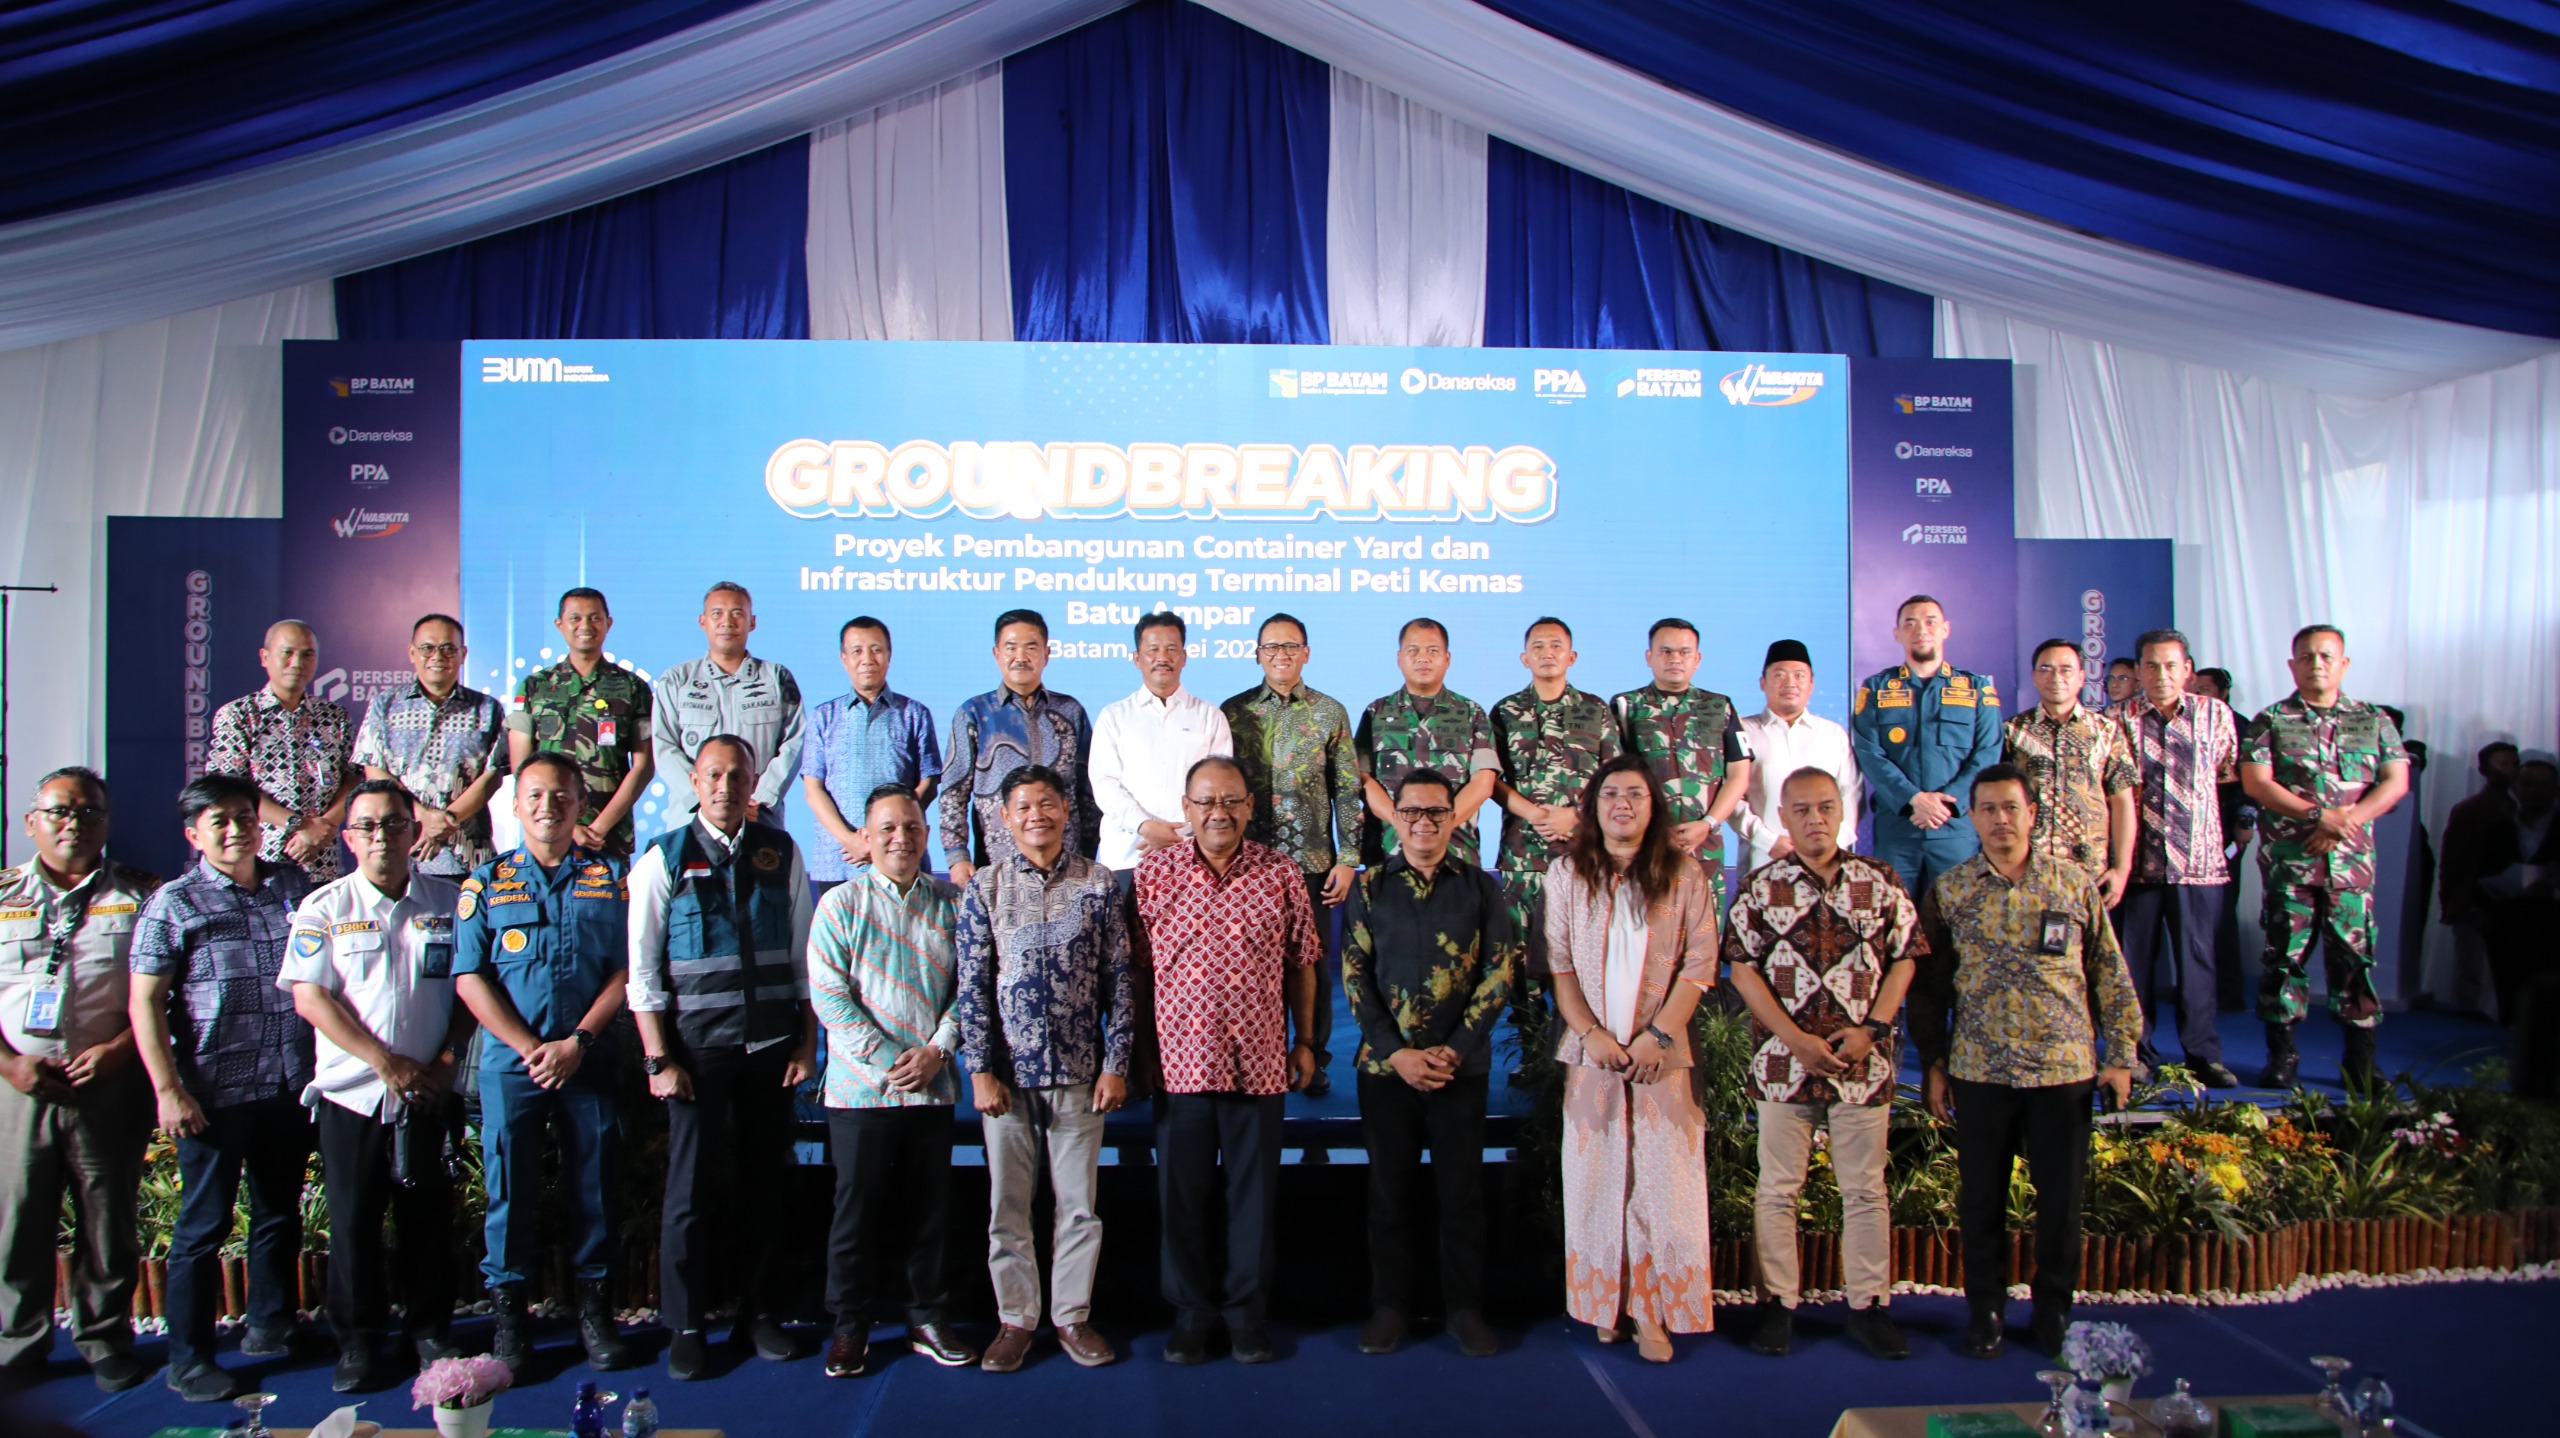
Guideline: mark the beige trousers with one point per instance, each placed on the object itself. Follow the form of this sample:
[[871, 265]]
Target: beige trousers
[[1056, 1127], [1858, 1133]]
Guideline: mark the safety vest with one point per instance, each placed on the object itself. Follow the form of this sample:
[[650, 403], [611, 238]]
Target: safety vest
[[729, 937]]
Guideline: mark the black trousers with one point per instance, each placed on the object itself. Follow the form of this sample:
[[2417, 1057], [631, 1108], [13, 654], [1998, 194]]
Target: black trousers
[[269, 1142], [728, 1154], [1192, 1131], [1399, 1121], [2049, 1127], [2184, 919], [364, 1271], [1328, 970], [893, 1200]]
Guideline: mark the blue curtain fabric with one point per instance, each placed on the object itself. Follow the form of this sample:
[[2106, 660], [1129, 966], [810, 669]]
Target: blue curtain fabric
[[2399, 153], [1573, 262], [1165, 181], [718, 254], [109, 98]]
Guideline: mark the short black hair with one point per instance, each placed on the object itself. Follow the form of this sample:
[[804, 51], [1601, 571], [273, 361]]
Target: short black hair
[[2487, 752], [745, 750], [2222, 679], [2121, 661], [1289, 619], [2003, 774], [2309, 630], [1660, 625], [1011, 617], [204, 792], [98, 784], [567, 768], [888, 791], [1424, 776], [2150, 637], [1425, 623], [1214, 761], [1031, 774], [1810, 771], [2036, 655], [392, 787], [426, 619], [865, 621], [1547, 619], [1160, 619], [582, 592], [1917, 599], [728, 586]]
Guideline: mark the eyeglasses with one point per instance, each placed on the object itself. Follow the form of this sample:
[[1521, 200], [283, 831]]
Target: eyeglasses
[[1439, 815], [56, 814], [1283, 651], [1238, 804], [390, 826], [435, 651]]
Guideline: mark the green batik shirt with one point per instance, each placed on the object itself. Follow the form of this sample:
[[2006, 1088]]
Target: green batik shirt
[[1427, 962], [1296, 755], [1687, 739], [1549, 753], [599, 721], [1401, 733], [2329, 756], [1995, 1002]]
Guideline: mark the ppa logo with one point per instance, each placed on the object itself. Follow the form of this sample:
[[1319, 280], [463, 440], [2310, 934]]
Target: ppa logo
[[362, 523], [370, 476], [1563, 386], [1931, 487]]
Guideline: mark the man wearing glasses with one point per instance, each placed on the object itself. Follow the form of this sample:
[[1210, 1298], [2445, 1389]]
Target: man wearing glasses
[[1428, 956], [446, 744], [76, 1113], [371, 969], [598, 714], [1294, 745]]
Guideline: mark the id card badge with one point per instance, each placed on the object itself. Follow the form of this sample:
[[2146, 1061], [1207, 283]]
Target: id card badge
[[605, 730], [2056, 937], [436, 960], [44, 1010]]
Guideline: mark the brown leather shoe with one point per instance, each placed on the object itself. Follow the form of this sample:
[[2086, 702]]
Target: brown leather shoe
[[1085, 1346], [937, 1342], [846, 1352], [1012, 1345]]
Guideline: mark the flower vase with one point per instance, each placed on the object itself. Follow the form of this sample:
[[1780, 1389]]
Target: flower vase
[[472, 1422], [2117, 1390]]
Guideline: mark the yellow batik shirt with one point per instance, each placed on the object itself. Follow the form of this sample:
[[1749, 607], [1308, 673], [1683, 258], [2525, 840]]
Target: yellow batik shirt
[[1993, 1005]]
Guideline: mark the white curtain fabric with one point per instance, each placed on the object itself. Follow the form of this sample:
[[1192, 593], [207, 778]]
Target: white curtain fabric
[[178, 416], [907, 221], [709, 93], [1481, 68], [1404, 221]]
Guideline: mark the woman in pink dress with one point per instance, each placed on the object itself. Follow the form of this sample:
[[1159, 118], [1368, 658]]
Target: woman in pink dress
[[1631, 936]]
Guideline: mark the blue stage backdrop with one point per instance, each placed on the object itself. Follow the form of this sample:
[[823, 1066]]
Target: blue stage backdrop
[[1933, 510], [187, 602], [2101, 594]]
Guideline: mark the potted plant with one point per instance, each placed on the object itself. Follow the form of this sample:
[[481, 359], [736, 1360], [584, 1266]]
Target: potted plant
[[461, 1391], [2107, 1354]]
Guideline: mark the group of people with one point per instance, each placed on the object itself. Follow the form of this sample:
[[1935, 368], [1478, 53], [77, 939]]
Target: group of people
[[1140, 905]]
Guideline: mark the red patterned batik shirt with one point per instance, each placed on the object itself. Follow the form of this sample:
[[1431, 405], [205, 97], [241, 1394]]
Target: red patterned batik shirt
[[1219, 945], [1824, 950]]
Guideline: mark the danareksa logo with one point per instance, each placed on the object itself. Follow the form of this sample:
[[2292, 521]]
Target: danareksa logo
[[1758, 384], [920, 479]]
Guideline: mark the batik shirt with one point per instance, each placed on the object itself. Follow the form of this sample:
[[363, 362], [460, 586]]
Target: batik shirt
[[1549, 753], [1824, 950], [2329, 756], [237, 1037], [1404, 732], [881, 972], [2180, 762], [437, 750], [854, 746], [2077, 764], [1688, 740], [297, 757], [1046, 996], [600, 721], [1992, 1005], [1427, 961], [1298, 764], [1220, 947], [995, 734]]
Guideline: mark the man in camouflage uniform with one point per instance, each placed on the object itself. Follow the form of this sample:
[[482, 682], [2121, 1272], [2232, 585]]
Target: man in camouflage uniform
[[2322, 768], [1692, 741], [595, 712], [1424, 726], [1551, 738]]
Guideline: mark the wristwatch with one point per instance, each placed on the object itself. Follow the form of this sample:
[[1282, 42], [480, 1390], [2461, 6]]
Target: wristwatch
[[2314, 816], [653, 1064], [585, 1040], [1659, 1036], [1881, 1028]]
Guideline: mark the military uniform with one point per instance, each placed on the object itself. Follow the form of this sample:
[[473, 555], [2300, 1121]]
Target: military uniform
[[759, 702], [1549, 753], [550, 942], [1689, 740], [2329, 756], [599, 720], [1920, 736], [1405, 731]]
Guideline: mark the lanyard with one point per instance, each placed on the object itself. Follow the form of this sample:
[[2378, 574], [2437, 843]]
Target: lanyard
[[67, 919]]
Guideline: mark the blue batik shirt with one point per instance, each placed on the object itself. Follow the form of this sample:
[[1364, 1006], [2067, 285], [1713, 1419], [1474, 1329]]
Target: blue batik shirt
[[237, 1037], [856, 745], [437, 750], [995, 734], [1045, 995]]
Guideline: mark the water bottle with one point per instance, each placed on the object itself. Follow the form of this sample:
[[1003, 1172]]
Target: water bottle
[[2373, 1404], [640, 1416], [586, 1415]]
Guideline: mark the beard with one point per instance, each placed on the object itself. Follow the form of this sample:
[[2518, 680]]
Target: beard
[[1928, 655]]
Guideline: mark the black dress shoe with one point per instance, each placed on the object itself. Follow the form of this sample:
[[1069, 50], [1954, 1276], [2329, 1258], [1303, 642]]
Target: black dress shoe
[[1876, 1330], [206, 1383], [1188, 1344], [1249, 1343], [937, 1342], [2048, 1328], [1384, 1332], [1982, 1336], [846, 1351], [356, 1369], [119, 1371], [688, 1356], [772, 1341], [1476, 1338], [266, 1342], [1773, 1332], [435, 1344], [2214, 1073]]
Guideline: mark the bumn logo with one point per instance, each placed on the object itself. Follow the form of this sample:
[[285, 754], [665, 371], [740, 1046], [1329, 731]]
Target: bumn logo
[[536, 369]]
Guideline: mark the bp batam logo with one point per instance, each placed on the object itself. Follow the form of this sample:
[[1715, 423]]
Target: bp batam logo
[[1312, 383], [1933, 403], [360, 386], [362, 523]]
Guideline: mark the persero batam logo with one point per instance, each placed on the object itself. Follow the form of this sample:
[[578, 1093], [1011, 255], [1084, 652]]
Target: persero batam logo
[[340, 434], [1421, 381], [1905, 449], [1563, 386], [1664, 384], [1760, 385], [1933, 534], [1934, 403], [920, 479], [1310, 383], [363, 523], [533, 369], [355, 386]]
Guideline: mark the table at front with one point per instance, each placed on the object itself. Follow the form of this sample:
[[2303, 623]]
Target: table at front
[[507, 1432], [1914, 1422]]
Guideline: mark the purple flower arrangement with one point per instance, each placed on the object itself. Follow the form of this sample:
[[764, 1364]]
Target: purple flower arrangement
[[459, 1383], [2105, 1350]]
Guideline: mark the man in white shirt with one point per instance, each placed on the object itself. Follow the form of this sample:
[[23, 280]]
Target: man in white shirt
[[370, 968], [1787, 738], [1144, 745]]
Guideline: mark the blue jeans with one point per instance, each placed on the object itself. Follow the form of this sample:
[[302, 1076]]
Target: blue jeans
[[514, 1114], [269, 1141]]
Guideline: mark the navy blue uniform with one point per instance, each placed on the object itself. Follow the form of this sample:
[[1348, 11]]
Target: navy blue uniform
[[1922, 736]]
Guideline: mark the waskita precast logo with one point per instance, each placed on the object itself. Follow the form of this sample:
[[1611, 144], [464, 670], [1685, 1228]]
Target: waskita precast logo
[[536, 369], [340, 434], [1933, 403], [362, 523], [1757, 384], [364, 386], [1905, 449], [1315, 383], [1933, 534]]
